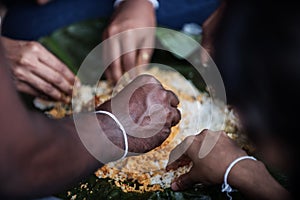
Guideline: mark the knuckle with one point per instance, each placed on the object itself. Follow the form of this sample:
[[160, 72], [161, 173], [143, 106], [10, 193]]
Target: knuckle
[[24, 60], [171, 94], [47, 88], [146, 78], [33, 46], [189, 139], [164, 95], [18, 72], [113, 29], [57, 79], [205, 132]]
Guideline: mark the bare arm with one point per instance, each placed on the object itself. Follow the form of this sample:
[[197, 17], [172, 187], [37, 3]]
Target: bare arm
[[210, 28], [40, 156], [250, 177], [253, 179]]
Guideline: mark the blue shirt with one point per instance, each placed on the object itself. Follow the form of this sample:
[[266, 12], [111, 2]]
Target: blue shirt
[[28, 21]]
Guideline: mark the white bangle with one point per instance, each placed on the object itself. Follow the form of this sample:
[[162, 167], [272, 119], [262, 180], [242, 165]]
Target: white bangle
[[225, 186], [120, 126], [154, 3]]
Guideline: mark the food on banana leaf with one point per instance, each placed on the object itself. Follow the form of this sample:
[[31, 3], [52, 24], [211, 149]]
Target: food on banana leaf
[[146, 172]]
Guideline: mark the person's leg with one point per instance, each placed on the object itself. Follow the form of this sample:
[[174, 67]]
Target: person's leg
[[26, 20], [174, 14]]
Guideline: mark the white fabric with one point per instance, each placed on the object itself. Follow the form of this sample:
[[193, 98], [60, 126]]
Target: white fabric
[[225, 186], [154, 3], [120, 126]]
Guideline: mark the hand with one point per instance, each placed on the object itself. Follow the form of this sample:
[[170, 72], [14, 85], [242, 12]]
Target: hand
[[146, 110], [209, 168], [36, 71], [130, 14], [210, 27]]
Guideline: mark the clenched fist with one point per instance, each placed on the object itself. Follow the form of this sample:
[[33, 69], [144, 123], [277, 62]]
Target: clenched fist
[[146, 110]]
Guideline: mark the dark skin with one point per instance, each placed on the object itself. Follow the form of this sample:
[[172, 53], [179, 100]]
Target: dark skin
[[250, 177], [45, 156], [154, 93]]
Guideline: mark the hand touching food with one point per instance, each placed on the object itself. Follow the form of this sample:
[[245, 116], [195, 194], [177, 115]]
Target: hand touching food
[[128, 50], [212, 153], [209, 163], [36, 71]]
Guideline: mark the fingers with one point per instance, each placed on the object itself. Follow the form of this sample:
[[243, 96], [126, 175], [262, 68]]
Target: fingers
[[53, 77], [39, 84], [178, 158], [175, 113], [115, 71], [35, 66], [208, 141], [174, 101], [128, 63], [47, 67], [179, 152], [144, 56], [183, 182], [180, 162], [127, 44], [111, 54], [25, 88], [50, 60], [176, 116]]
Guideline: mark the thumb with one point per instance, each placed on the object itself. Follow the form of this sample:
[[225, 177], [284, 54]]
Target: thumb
[[183, 182], [178, 156]]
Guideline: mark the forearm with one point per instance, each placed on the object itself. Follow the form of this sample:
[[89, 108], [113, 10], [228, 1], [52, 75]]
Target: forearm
[[255, 182], [46, 158], [38, 155]]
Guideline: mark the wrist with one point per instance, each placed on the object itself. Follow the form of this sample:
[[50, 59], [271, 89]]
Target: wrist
[[154, 3], [113, 132], [254, 180], [243, 173]]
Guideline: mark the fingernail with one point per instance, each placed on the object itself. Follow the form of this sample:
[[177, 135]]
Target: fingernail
[[174, 186]]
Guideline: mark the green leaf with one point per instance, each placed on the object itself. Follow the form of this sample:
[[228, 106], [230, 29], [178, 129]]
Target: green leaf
[[178, 43], [71, 44]]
